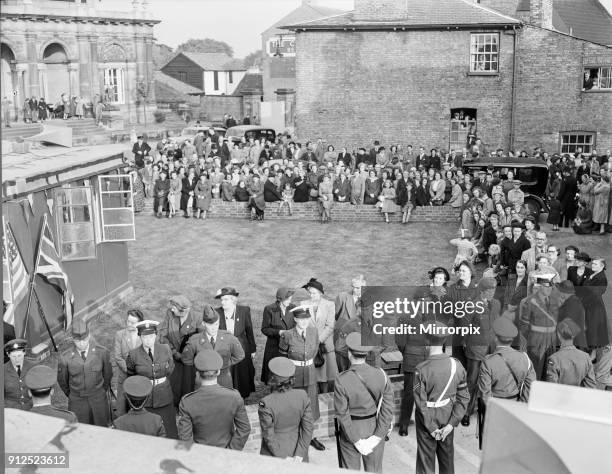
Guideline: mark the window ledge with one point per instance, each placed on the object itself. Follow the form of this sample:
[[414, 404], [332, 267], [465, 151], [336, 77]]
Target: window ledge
[[483, 73], [597, 91]]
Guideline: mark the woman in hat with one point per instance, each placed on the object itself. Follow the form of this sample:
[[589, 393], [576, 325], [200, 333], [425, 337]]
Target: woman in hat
[[125, 340], [601, 191], [16, 393], [323, 318], [464, 289], [154, 361], [202, 193], [285, 415], [175, 330], [277, 319]]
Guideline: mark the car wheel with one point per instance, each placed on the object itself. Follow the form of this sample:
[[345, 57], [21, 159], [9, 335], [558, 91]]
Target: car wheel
[[534, 208]]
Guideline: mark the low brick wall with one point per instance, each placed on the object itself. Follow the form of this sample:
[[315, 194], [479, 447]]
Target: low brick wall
[[309, 211], [324, 427]]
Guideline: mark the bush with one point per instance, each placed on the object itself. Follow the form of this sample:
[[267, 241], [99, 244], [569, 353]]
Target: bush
[[159, 116]]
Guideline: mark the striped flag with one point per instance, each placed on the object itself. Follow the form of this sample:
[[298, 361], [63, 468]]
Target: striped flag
[[15, 278], [49, 267]]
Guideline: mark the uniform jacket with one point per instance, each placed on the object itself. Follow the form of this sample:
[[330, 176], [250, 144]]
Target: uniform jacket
[[84, 378], [534, 311], [324, 320], [123, 345], [15, 391], [292, 346], [496, 377], [603, 369], [430, 378], [215, 416], [139, 363], [479, 345], [274, 320], [142, 422], [173, 333], [571, 366], [351, 398], [50, 410], [286, 424], [345, 328], [412, 346]]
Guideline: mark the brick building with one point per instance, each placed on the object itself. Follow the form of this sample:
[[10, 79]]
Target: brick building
[[427, 72]]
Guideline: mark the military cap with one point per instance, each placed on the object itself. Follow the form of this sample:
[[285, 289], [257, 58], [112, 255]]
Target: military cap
[[545, 279], [208, 360], [504, 328], [353, 342], [568, 327], [486, 283], [137, 386], [147, 327], [181, 302], [314, 283], [210, 315], [283, 293], [300, 312], [79, 329], [517, 181], [437, 334], [15, 345], [226, 292], [41, 377], [282, 367]]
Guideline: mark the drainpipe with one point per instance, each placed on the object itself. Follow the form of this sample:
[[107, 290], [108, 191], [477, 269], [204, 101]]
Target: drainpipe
[[513, 96]]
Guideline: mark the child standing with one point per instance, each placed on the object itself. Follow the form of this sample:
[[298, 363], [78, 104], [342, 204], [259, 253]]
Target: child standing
[[388, 204], [174, 194], [287, 198]]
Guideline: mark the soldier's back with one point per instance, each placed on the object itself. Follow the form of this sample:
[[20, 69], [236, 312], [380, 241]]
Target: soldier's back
[[50, 410], [141, 421]]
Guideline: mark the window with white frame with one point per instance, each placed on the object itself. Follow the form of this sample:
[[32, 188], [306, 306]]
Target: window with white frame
[[572, 141], [117, 209], [75, 223], [484, 52], [597, 78], [114, 87]]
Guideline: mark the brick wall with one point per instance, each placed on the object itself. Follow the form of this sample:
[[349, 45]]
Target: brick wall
[[398, 87], [343, 212], [324, 427], [541, 13], [549, 97]]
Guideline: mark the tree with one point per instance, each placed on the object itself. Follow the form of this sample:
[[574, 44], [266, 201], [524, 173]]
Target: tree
[[206, 45], [161, 54], [253, 59]]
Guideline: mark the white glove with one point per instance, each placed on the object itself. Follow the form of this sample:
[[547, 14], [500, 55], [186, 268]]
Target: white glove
[[362, 447], [296, 458], [372, 442]]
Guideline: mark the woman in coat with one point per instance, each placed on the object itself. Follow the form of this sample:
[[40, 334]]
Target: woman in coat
[[301, 188], [372, 189], [277, 319], [326, 199], [139, 191], [241, 194], [125, 340], [596, 317], [323, 318], [601, 191], [436, 190], [257, 203], [456, 198], [585, 190], [203, 195]]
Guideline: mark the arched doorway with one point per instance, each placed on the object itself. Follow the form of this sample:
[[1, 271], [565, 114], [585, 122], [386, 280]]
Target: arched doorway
[[57, 79], [7, 76]]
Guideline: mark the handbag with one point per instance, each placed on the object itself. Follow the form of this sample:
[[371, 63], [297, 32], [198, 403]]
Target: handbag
[[319, 358], [314, 193]]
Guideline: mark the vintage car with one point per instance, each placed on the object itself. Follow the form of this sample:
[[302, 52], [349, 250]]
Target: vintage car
[[246, 132], [191, 132], [531, 171]]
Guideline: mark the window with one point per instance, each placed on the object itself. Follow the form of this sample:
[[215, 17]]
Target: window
[[484, 52], [230, 77], [182, 76], [596, 78], [462, 129], [113, 85], [572, 141], [75, 226], [117, 217], [216, 80]]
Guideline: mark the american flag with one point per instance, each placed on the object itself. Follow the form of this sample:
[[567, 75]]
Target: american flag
[[15, 279], [48, 266]]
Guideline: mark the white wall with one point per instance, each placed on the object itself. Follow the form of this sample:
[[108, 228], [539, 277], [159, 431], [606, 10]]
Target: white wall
[[224, 86]]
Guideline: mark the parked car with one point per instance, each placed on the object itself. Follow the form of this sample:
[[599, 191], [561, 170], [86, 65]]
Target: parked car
[[191, 132], [236, 134], [531, 171]]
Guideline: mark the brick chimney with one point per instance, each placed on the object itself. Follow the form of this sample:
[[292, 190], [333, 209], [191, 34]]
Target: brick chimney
[[541, 13], [380, 9]]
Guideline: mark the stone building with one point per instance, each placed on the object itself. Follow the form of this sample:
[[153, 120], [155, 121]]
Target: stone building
[[426, 72], [51, 47]]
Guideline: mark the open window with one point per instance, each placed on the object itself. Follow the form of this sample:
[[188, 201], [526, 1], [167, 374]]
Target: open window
[[597, 78], [462, 128], [75, 223], [117, 208]]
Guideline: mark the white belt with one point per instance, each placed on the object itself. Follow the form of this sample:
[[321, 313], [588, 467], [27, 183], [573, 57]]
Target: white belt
[[158, 381], [441, 403], [302, 363]]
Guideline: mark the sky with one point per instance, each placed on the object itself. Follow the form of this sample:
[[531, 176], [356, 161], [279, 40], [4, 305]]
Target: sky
[[237, 22]]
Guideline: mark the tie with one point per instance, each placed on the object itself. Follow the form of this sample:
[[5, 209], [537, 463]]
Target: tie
[[303, 334], [83, 356], [150, 354], [212, 341], [19, 371]]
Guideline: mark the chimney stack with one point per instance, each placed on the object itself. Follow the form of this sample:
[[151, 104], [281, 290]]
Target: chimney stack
[[380, 9], [540, 13]]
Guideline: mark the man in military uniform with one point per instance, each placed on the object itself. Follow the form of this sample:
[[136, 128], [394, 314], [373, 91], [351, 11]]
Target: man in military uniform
[[441, 397], [15, 391], [363, 401], [84, 375], [138, 420], [40, 381], [223, 342], [569, 365], [213, 415], [603, 368], [352, 325], [538, 315], [300, 345], [285, 417], [507, 373]]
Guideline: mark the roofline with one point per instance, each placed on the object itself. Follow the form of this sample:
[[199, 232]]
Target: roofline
[[80, 19], [568, 35], [177, 54], [275, 27], [489, 10], [398, 26]]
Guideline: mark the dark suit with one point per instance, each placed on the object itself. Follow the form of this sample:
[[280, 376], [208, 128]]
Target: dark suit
[[567, 195], [243, 373], [342, 190], [344, 158], [271, 194], [188, 186], [273, 321], [15, 391], [572, 308], [140, 151]]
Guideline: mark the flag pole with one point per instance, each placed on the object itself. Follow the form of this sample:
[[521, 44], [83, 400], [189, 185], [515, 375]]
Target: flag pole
[[33, 277], [42, 316]]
